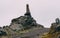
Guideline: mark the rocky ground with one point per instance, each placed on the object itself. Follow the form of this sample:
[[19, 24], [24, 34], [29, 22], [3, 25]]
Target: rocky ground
[[23, 27]]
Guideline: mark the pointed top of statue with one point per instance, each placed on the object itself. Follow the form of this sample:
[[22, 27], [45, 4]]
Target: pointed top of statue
[[27, 10]]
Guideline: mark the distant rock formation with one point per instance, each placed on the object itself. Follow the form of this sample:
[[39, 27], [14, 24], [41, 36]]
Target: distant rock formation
[[22, 23]]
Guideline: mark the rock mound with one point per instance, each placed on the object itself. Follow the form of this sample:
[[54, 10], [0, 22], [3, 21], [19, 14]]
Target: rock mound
[[24, 22], [21, 24]]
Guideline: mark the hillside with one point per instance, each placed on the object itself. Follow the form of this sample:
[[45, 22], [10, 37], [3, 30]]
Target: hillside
[[23, 27]]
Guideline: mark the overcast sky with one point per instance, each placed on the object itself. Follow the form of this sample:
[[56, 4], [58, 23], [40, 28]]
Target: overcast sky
[[43, 11]]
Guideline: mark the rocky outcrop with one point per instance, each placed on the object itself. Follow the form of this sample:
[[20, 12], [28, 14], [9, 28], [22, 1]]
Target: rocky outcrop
[[54, 31], [24, 22], [23, 26]]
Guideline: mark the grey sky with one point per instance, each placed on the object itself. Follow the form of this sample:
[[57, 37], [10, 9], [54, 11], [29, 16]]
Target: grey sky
[[44, 11]]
